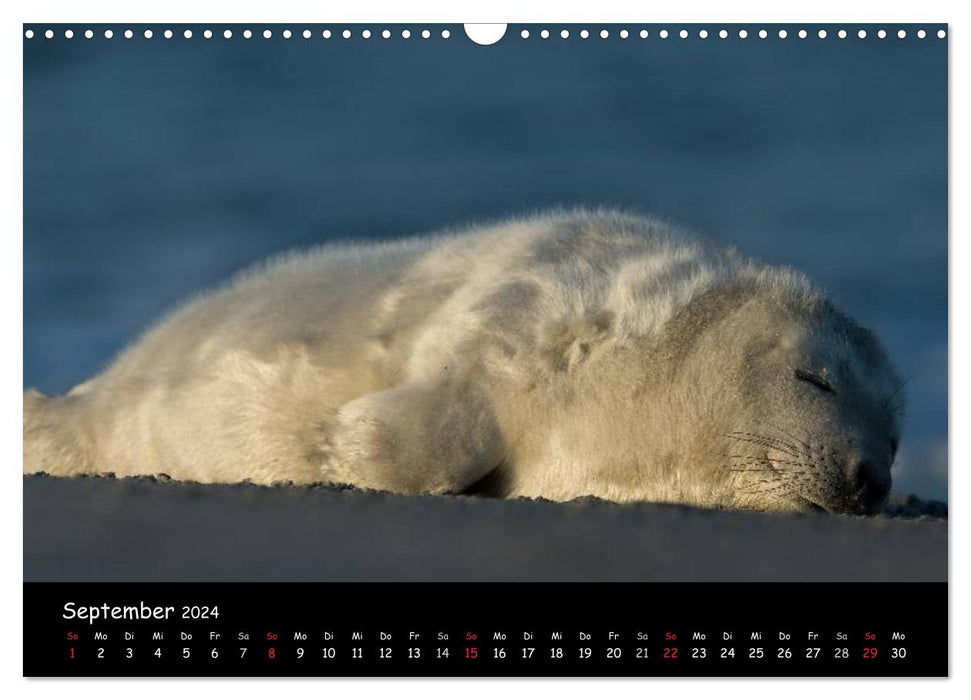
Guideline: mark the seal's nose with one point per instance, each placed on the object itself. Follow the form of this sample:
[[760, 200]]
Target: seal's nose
[[868, 485]]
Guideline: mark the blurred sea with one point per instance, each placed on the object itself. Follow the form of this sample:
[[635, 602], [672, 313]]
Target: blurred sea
[[155, 168]]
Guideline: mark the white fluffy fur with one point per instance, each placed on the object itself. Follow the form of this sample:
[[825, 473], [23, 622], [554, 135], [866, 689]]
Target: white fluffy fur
[[573, 353]]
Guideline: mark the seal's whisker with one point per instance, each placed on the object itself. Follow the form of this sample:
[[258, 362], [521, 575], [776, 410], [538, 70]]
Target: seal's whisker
[[766, 487], [764, 443], [786, 432], [749, 466], [748, 459], [787, 463], [897, 402], [762, 467], [769, 480], [773, 461], [759, 441], [766, 438]]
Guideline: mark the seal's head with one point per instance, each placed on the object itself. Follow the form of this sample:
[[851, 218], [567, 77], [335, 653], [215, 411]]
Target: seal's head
[[810, 408]]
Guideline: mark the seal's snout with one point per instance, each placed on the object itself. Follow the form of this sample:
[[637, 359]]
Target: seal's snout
[[868, 485]]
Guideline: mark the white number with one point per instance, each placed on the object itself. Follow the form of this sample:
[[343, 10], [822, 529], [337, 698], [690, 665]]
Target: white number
[[199, 612]]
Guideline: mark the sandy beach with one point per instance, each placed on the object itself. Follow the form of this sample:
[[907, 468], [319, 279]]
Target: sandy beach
[[141, 529]]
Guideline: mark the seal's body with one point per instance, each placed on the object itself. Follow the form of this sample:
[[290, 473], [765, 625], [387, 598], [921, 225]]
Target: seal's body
[[570, 354]]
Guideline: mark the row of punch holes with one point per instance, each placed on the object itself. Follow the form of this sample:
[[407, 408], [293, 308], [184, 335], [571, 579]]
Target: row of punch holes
[[524, 34]]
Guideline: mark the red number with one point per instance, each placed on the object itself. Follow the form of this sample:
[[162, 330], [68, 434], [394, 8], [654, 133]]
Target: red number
[[870, 653], [72, 652], [471, 652], [670, 652], [271, 653]]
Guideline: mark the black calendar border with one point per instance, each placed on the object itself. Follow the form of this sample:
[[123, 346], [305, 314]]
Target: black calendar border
[[918, 610]]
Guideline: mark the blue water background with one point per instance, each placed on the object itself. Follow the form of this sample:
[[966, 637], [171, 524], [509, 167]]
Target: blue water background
[[155, 168]]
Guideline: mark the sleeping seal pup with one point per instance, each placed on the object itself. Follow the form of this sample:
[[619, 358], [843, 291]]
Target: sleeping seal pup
[[575, 353]]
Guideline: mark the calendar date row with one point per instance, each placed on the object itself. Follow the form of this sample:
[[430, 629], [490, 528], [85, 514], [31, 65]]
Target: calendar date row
[[496, 653]]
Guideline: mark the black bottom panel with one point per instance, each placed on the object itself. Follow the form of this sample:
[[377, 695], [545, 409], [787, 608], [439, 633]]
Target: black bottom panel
[[462, 629]]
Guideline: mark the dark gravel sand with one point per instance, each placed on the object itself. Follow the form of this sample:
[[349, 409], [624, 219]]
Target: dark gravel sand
[[105, 529]]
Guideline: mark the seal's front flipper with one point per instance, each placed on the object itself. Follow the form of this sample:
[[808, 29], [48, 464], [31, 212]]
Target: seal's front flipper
[[417, 438]]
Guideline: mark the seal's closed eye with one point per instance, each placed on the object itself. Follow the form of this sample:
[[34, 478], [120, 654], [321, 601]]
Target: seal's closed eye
[[815, 380]]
